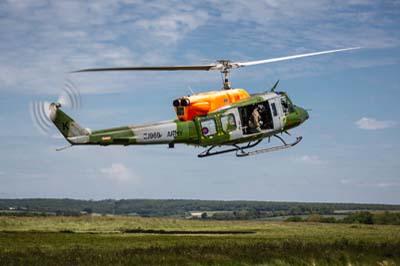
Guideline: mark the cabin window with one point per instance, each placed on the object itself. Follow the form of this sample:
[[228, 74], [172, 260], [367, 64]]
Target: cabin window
[[275, 113], [228, 122], [208, 127]]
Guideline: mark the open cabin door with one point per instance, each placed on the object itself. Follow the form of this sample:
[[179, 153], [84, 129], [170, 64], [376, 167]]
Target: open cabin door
[[267, 123]]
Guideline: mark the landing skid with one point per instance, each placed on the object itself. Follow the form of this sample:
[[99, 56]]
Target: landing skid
[[241, 153], [240, 150]]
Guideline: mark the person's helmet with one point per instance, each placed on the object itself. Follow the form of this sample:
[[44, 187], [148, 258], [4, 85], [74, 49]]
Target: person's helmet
[[261, 108]]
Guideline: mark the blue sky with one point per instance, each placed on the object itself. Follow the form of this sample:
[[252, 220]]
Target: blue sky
[[350, 151]]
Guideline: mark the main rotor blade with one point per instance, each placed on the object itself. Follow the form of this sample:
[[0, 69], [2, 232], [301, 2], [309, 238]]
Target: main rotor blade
[[272, 60], [149, 68], [221, 65]]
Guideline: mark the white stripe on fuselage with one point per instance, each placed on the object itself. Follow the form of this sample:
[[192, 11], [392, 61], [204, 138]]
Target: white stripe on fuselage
[[156, 133]]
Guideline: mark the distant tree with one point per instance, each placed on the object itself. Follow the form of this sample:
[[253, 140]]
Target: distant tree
[[314, 218], [387, 218], [294, 219], [359, 217], [295, 211]]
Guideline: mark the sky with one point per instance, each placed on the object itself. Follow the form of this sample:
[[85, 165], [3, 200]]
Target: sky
[[350, 151]]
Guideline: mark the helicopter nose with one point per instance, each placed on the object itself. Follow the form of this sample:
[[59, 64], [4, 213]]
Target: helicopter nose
[[304, 114], [307, 115]]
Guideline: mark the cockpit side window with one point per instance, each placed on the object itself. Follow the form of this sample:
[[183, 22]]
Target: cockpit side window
[[291, 107], [285, 106]]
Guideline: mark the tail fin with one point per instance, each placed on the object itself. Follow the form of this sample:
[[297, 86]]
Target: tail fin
[[71, 130]]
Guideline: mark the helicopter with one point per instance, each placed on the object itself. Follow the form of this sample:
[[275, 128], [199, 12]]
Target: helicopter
[[221, 121]]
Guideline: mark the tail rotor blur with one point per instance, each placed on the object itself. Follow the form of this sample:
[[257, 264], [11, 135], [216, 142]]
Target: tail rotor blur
[[40, 110], [40, 114], [70, 96]]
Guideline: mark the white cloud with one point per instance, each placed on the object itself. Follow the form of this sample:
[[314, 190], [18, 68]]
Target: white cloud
[[322, 23], [345, 181], [370, 183], [173, 27], [310, 159], [373, 124], [118, 173], [384, 185], [37, 49]]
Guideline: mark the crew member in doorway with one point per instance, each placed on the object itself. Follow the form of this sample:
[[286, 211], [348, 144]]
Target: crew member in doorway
[[255, 122]]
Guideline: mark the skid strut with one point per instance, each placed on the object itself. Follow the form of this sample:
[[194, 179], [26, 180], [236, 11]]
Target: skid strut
[[240, 150]]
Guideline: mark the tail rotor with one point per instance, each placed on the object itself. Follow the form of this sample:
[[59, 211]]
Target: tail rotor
[[40, 110], [70, 96]]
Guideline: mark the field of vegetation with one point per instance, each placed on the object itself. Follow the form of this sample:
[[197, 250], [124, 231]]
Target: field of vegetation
[[122, 240]]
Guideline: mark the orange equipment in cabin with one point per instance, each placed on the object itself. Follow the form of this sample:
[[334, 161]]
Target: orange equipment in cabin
[[188, 107]]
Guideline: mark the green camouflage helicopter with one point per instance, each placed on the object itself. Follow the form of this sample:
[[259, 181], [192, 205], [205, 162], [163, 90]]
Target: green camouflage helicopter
[[221, 121]]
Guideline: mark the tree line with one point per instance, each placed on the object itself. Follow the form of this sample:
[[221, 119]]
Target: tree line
[[363, 217], [182, 207]]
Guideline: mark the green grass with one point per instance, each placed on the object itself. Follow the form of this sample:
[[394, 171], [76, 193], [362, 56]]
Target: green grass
[[90, 240]]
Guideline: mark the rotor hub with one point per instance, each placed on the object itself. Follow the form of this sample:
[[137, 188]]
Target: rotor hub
[[225, 66]]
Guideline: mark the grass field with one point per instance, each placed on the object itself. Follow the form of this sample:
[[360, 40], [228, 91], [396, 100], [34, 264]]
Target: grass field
[[117, 240]]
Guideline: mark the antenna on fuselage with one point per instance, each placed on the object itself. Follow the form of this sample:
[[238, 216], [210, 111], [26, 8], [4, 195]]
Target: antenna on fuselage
[[276, 85], [190, 88]]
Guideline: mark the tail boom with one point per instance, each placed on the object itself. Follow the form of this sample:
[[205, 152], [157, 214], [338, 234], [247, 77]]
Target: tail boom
[[166, 132]]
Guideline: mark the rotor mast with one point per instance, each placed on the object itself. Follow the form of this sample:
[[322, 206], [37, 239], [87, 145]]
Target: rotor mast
[[225, 71]]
